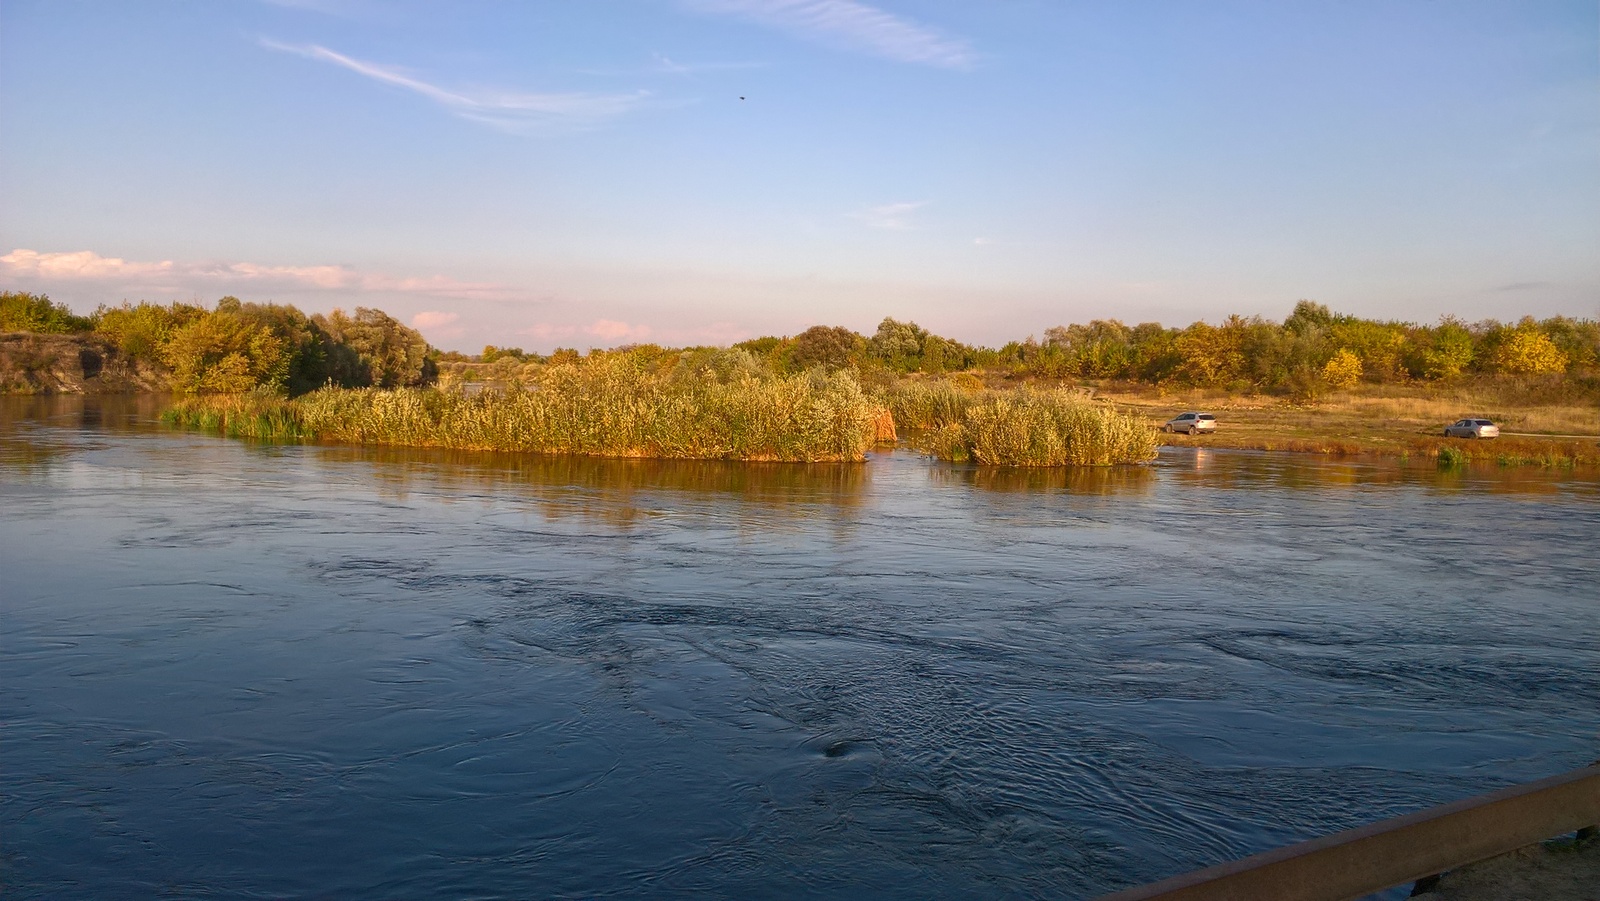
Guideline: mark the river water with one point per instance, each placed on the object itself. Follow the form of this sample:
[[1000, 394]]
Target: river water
[[241, 670]]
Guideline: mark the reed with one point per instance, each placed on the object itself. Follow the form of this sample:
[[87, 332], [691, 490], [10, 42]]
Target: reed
[[606, 407], [918, 404], [254, 415], [1056, 427]]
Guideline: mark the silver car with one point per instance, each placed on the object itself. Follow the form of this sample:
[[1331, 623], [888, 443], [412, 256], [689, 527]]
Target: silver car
[[1191, 423], [1472, 428]]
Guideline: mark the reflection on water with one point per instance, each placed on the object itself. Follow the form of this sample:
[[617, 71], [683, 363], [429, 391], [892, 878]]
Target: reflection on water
[[1241, 469], [615, 491], [1101, 480], [233, 669]]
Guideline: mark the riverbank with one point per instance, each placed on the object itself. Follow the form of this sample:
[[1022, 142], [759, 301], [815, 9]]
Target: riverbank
[[1390, 424], [32, 363]]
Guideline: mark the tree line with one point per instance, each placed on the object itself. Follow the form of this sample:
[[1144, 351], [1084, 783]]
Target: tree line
[[238, 346], [1312, 350]]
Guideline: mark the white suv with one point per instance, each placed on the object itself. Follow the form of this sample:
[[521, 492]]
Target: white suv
[[1191, 423]]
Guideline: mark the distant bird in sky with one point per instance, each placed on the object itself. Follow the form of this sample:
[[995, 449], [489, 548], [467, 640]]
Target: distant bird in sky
[[741, 98]]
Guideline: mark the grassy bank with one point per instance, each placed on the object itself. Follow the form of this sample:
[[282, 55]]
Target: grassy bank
[[607, 408], [1386, 421], [1031, 427]]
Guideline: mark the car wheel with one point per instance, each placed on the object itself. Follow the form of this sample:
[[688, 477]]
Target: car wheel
[[1193, 431]]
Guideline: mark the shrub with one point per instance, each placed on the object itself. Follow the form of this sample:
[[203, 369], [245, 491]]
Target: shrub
[[1044, 428]]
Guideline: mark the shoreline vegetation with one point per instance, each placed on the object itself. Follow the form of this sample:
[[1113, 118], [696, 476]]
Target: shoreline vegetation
[[614, 408], [607, 408], [1086, 395]]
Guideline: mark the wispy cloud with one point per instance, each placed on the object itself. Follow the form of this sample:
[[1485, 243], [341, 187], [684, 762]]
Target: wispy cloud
[[507, 110], [850, 24], [662, 64], [44, 269], [890, 216]]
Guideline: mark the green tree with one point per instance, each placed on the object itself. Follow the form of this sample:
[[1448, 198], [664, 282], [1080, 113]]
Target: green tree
[[305, 344], [1380, 345], [1442, 352], [1101, 349], [1154, 349], [1309, 318], [22, 312], [831, 347], [373, 348], [898, 345], [491, 354]]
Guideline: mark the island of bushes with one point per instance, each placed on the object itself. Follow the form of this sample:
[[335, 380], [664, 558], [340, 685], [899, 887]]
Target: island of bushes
[[270, 371]]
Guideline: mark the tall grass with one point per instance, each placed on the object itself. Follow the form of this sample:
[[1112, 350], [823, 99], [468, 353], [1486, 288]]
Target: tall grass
[[1057, 427], [920, 404], [608, 407], [258, 414]]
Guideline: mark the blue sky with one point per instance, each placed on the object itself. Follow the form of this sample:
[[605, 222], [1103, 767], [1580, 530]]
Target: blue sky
[[701, 171]]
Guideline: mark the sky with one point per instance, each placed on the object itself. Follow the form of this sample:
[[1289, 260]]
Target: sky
[[588, 174]]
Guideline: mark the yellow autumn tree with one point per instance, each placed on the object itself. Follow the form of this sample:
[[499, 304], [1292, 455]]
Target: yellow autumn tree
[[1343, 370], [222, 352], [1528, 351]]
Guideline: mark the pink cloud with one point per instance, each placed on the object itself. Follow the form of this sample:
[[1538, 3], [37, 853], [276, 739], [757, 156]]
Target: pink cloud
[[86, 265], [438, 325], [433, 319], [613, 330], [544, 331]]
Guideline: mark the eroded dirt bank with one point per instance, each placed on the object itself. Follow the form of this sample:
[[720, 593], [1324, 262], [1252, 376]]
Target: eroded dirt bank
[[72, 364]]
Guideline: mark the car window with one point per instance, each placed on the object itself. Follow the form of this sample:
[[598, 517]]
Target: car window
[[1206, 416], [1462, 422], [1483, 422], [1187, 416]]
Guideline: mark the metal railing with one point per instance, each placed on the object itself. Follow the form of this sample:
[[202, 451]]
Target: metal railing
[[1393, 852]]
